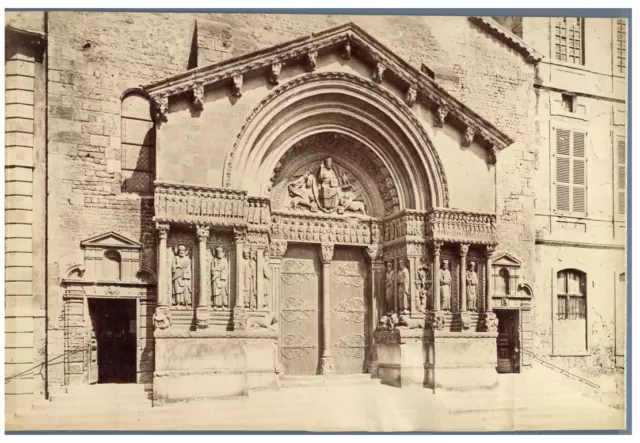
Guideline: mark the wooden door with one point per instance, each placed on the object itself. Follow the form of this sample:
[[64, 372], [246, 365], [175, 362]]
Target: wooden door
[[508, 341], [299, 313], [349, 310]]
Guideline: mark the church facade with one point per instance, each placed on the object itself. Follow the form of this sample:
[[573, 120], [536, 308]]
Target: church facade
[[206, 203]]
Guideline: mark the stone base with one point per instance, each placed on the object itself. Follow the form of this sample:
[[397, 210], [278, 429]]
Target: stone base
[[206, 364], [437, 360], [462, 361], [401, 357]]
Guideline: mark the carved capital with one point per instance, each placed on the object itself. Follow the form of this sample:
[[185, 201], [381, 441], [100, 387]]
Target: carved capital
[[468, 136], [312, 60], [326, 252], [489, 322], [278, 248], [274, 75], [441, 115], [374, 252], [464, 249], [379, 72], [411, 96], [161, 108], [346, 54], [435, 320], [236, 85], [203, 232], [488, 252], [437, 247], [198, 96], [239, 235], [161, 318], [162, 230]]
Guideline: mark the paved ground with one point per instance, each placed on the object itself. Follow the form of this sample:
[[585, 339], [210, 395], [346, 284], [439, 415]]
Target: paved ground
[[536, 401]]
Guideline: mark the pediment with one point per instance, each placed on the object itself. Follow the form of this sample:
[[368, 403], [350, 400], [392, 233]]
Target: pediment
[[110, 240], [349, 41], [506, 259]]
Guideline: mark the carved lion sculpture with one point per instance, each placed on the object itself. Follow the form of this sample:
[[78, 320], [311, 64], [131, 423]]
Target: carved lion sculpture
[[411, 323], [270, 321]]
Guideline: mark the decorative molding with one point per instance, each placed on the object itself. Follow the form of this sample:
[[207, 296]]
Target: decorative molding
[[411, 96], [274, 75], [468, 136], [198, 96], [317, 228], [404, 73], [351, 310], [108, 240], [322, 76], [236, 85], [570, 244], [462, 227], [312, 60], [504, 35], [378, 73]]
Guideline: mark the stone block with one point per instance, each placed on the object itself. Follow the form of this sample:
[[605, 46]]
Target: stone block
[[21, 216], [24, 174], [18, 245], [22, 273], [18, 188], [18, 288], [18, 202], [18, 110], [18, 124], [19, 82], [18, 139], [19, 156]]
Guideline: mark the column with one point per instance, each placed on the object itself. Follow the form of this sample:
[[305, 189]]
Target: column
[[202, 310], [238, 238], [277, 250], [164, 298], [464, 249], [239, 313], [489, 271], [376, 273], [326, 253], [437, 245]]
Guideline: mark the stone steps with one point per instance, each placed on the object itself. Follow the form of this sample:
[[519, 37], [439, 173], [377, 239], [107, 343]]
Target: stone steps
[[295, 381], [188, 317]]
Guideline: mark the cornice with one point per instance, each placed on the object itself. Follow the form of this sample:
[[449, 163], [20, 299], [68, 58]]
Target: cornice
[[419, 87], [504, 35]]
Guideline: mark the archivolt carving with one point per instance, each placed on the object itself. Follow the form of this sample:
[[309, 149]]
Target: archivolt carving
[[323, 76], [296, 309], [349, 274], [296, 346], [352, 310], [351, 345]]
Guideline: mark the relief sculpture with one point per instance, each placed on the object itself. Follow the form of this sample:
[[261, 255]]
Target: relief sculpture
[[445, 286], [390, 281], [404, 288], [220, 279], [181, 278], [423, 285], [472, 287], [249, 281], [329, 190]]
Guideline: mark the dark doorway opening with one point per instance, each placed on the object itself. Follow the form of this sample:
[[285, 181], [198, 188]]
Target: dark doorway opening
[[114, 335], [508, 340]]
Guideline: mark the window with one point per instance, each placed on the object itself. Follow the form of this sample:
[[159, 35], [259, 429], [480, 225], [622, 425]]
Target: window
[[138, 145], [621, 45], [567, 102], [621, 170], [571, 295], [569, 40], [571, 169], [112, 266], [502, 282]]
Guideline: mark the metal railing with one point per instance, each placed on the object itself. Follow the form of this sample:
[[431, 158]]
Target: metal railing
[[42, 365], [561, 370]]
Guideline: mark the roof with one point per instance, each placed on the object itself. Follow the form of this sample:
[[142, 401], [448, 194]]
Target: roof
[[501, 33], [354, 42]]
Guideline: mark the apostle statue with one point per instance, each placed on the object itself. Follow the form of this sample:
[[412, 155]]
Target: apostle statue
[[422, 285], [390, 282], [445, 286], [181, 278], [266, 275], [472, 286], [404, 288], [248, 273], [220, 280], [329, 185]]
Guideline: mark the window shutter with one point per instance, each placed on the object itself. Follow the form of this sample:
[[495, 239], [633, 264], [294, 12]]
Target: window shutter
[[563, 142], [579, 173], [622, 175]]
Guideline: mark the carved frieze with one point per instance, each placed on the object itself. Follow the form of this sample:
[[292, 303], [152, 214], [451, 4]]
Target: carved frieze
[[296, 271], [460, 226], [351, 345], [321, 229], [296, 309], [198, 205]]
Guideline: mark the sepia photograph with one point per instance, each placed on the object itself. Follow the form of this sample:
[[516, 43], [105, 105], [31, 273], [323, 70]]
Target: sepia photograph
[[366, 221]]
